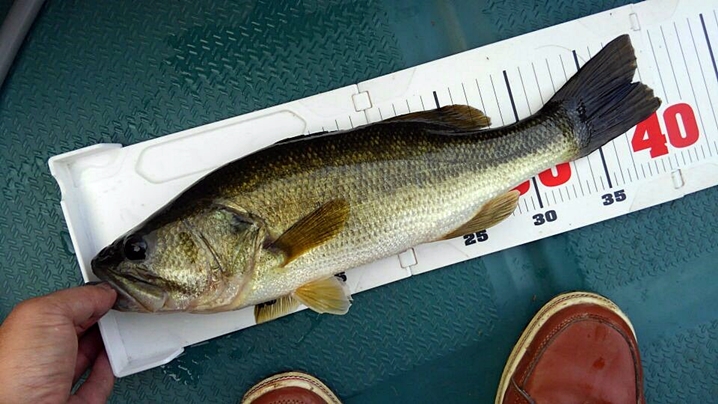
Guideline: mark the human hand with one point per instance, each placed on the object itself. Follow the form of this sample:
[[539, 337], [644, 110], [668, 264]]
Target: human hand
[[48, 342]]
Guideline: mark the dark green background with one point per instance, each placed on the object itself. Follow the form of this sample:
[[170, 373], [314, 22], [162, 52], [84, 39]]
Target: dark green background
[[128, 71]]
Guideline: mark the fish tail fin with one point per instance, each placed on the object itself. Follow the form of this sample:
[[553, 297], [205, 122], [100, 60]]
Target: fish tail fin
[[603, 98]]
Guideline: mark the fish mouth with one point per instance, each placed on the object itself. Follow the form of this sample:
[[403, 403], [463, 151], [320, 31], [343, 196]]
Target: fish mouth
[[134, 294]]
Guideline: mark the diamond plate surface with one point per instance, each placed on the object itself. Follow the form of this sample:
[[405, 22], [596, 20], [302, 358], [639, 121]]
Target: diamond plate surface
[[659, 266], [670, 306], [673, 244], [516, 17], [127, 71], [682, 367]]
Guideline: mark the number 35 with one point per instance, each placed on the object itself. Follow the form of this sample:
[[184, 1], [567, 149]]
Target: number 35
[[618, 196]]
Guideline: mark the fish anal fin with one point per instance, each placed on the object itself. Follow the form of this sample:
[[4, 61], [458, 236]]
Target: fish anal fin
[[330, 295], [313, 229], [456, 116], [277, 308], [491, 213]]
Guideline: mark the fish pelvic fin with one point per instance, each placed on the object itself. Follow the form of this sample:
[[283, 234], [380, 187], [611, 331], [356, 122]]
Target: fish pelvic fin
[[313, 229], [491, 213], [602, 97], [461, 117], [276, 308], [330, 295]]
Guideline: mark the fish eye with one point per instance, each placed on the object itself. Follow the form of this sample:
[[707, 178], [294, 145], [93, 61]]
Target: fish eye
[[135, 248]]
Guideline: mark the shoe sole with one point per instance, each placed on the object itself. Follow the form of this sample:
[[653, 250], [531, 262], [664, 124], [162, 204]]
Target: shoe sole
[[556, 304], [290, 379]]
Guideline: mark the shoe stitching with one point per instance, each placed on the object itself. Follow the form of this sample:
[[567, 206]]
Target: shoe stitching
[[524, 394], [561, 327], [516, 355], [328, 392]]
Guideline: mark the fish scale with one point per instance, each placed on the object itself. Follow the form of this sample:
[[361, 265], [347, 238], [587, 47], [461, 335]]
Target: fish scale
[[432, 190], [273, 227]]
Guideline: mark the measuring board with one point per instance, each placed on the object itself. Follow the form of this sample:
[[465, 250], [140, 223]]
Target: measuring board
[[107, 189], [673, 153]]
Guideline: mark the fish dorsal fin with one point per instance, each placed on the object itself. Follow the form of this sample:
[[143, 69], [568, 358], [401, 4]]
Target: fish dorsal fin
[[491, 213], [313, 229], [276, 308], [330, 295], [456, 116]]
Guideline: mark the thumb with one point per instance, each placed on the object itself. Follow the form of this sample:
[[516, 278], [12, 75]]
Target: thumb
[[84, 305]]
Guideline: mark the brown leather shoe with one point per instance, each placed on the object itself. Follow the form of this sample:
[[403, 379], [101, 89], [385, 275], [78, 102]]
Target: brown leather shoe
[[579, 348], [290, 388]]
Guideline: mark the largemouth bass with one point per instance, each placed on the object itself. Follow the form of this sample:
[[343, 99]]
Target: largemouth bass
[[272, 229]]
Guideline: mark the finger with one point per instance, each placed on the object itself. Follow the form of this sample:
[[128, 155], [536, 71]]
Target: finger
[[88, 349], [98, 386], [84, 305]]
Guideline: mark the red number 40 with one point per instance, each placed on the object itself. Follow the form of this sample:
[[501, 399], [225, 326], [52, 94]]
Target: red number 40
[[648, 133]]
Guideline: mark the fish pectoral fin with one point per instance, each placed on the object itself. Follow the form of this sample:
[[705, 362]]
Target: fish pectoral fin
[[491, 213], [313, 229], [277, 308], [330, 295], [457, 116]]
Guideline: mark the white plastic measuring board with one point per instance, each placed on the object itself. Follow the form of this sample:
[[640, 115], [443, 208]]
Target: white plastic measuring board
[[672, 154], [108, 189]]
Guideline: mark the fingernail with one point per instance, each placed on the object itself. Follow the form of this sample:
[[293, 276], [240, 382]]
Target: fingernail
[[102, 284]]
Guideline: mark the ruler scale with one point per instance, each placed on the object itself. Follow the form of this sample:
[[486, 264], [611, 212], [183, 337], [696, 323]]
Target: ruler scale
[[667, 56], [107, 189]]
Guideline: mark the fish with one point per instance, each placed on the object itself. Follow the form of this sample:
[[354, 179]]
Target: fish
[[273, 229]]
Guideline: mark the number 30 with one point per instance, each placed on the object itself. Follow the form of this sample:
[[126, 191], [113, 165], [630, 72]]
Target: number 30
[[541, 218]]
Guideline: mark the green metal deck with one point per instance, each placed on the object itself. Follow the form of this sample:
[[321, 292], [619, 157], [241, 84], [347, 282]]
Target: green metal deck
[[128, 71]]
